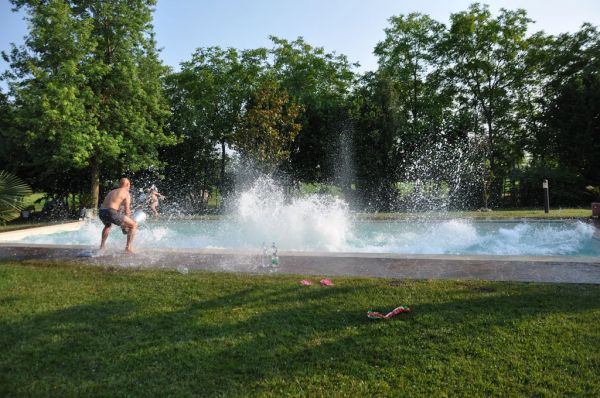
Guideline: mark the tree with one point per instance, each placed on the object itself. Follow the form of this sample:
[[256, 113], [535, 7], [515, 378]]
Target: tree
[[87, 87], [268, 128], [420, 103], [375, 135], [409, 58], [209, 97], [485, 58], [320, 82], [193, 162], [6, 124], [572, 104]]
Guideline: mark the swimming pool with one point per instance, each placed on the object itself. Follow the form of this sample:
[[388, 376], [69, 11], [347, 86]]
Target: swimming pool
[[453, 237]]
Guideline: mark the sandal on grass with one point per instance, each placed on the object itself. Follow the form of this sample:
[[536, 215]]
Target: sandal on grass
[[391, 314]]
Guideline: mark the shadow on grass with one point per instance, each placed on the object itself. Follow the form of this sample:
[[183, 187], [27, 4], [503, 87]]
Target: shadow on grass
[[262, 339]]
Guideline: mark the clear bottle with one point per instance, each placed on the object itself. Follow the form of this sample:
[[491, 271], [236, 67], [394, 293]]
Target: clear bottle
[[263, 260], [274, 257], [182, 269]]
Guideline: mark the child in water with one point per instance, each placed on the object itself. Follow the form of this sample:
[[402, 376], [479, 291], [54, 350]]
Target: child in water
[[154, 196]]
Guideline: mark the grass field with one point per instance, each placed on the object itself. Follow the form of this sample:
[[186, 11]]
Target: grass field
[[69, 330], [501, 214]]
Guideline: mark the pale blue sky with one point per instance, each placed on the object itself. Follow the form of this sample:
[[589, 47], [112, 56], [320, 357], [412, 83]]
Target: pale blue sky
[[350, 27]]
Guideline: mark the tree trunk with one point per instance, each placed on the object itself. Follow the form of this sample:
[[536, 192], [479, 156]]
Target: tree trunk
[[491, 175], [222, 190], [73, 204], [95, 192]]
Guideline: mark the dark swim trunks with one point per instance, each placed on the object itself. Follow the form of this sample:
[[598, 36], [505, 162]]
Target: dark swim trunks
[[110, 216]]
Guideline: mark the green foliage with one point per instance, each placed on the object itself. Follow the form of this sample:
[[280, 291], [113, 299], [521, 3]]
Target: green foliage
[[559, 213], [6, 124], [594, 192], [571, 133], [398, 110], [268, 128], [320, 83], [318, 188], [208, 99], [565, 187], [12, 192], [375, 142], [486, 58], [408, 57], [87, 87], [88, 97]]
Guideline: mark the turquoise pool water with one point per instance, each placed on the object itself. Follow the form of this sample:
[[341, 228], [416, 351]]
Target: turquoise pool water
[[460, 237]]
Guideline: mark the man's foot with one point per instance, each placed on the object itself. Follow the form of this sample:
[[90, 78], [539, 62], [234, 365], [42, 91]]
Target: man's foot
[[130, 251]]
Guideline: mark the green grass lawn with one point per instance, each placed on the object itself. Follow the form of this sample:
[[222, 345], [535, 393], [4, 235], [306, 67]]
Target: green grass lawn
[[30, 200], [68, 330], [511, 213]]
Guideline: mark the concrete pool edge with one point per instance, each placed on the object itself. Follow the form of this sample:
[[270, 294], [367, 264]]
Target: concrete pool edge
[[413, 266], [18, 234], [563, 269]]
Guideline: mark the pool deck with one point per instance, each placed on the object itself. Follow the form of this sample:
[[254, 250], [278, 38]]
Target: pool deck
[[496, 268]]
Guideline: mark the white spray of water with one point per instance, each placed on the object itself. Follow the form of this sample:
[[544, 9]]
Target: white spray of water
[[314, 222], [448, 237]]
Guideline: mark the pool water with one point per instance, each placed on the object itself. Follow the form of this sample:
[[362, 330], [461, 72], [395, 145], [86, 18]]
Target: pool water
[[460, 237]]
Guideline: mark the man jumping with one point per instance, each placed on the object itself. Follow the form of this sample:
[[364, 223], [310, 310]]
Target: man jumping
[[109, 213]]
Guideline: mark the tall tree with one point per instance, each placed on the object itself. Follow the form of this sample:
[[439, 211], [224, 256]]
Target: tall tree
[[268, 128], [571, 117], [87, 86], [320, 82], [485, 58], [410, 62], [6, 124], [408, 57], [193, 162], [210, 95], [376, 148]]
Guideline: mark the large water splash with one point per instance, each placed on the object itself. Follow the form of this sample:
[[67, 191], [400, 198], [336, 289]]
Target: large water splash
[[441, 176], [314, 222]]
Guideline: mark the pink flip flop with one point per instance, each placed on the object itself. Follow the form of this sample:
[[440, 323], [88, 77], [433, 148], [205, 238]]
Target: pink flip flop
[[391, 314], [326, 282], [305, 282]]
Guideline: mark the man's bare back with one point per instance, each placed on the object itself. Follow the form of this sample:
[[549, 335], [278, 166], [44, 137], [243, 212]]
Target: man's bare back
[[117, 197], [109, 213]]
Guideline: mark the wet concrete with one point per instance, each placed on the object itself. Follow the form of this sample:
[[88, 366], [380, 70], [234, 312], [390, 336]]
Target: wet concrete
[[498, 268]]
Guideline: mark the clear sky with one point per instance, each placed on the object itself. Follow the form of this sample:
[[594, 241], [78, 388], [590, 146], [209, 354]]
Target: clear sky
[[350, 27]]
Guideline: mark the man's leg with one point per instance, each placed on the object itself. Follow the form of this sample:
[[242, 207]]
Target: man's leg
[[105, 232], [132, 227]]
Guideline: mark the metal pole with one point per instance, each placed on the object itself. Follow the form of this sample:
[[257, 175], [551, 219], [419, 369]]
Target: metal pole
[[546, 197]]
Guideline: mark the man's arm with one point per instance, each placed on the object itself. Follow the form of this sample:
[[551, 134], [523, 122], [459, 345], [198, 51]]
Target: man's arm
[[127, 204]]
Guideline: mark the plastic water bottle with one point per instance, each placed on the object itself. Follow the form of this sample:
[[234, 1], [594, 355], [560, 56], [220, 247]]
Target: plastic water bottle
[[274, 257], [182, 269], [263, 260]]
